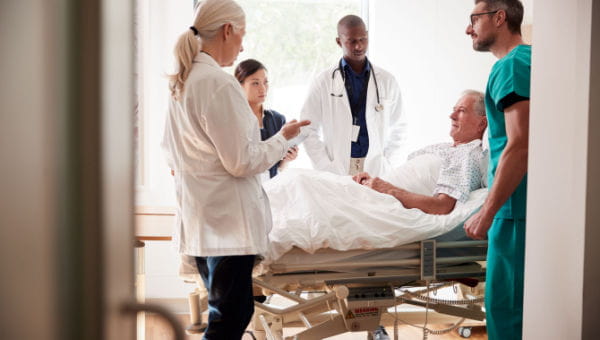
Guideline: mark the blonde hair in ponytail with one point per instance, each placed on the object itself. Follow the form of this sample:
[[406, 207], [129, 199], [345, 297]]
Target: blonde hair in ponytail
[[210, 16]]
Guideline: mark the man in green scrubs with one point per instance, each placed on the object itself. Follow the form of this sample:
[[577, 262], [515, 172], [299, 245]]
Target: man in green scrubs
[[496, 27]]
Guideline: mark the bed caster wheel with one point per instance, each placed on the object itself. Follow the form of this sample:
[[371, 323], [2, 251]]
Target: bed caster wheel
[[379, 334], [464, 332]]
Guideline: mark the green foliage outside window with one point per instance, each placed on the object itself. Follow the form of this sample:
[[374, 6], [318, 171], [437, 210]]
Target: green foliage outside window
[[294, 39]]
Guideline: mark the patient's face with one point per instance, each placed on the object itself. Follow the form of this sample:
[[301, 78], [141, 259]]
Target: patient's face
[[467, 125]]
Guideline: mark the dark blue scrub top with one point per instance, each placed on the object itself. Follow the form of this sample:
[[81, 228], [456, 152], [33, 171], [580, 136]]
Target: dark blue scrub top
[[356, 88]]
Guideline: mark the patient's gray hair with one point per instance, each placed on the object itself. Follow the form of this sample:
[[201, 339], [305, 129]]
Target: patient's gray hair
[[479, 106]]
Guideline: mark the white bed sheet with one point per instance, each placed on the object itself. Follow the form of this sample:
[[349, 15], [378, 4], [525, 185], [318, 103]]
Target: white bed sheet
[[314, 210]]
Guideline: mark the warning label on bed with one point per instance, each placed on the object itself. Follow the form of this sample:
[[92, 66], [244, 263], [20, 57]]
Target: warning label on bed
[[362, 312]]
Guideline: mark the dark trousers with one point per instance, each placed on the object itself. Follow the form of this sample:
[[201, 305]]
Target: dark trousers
[[228, 280]]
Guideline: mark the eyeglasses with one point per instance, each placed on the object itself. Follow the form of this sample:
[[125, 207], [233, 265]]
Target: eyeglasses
[[478, 14]]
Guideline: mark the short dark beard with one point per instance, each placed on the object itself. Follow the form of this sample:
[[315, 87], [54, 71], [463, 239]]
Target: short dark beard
[[484, 45]]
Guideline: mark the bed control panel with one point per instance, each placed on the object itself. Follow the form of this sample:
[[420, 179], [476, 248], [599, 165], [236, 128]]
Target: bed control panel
[[371, 296], [428, 268], [365, 306]]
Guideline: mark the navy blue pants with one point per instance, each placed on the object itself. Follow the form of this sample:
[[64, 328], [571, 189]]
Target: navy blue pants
[[228, 280]]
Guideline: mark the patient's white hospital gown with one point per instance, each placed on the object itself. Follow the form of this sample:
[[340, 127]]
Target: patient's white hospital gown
[[461, 170]]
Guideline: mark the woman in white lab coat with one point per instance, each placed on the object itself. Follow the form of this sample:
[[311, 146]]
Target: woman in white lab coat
[[212, 143]]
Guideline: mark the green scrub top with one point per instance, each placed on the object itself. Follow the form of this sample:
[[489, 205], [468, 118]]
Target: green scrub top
[[509, 79]]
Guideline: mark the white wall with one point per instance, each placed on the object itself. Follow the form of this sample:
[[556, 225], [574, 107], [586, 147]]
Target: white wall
[[558, 178], [161, 267], [423, 43], [156, 40]]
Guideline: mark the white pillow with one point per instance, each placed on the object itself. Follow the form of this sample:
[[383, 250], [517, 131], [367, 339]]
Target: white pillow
[[485, 142], [418, 175], [485, 145]]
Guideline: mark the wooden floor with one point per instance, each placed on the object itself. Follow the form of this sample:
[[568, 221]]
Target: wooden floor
[[157, 329]]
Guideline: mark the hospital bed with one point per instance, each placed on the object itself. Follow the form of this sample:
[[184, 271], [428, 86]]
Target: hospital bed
[[359, 287], [332, 292], [350, 279]]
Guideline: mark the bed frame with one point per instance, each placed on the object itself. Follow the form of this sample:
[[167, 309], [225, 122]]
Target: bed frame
[[327, 299]]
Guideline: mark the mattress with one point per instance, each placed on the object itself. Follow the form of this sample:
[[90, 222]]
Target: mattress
[[357, 260]]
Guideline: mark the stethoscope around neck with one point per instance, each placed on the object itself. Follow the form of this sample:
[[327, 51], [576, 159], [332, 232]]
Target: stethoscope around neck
[[378, 106]]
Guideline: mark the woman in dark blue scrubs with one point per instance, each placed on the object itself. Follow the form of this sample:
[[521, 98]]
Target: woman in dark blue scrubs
[[252, 75]]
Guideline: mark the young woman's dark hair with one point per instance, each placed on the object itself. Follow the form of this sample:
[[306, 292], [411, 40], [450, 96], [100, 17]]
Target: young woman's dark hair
[[247, 68]]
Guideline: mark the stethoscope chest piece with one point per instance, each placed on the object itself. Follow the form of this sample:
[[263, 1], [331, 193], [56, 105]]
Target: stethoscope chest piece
[[378, 107]]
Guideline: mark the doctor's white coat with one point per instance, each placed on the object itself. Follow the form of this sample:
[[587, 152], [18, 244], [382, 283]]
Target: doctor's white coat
[[212, 142], [329, 134]]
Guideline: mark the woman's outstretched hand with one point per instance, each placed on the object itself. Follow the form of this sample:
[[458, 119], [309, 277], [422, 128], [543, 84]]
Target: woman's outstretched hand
[[291, 129]]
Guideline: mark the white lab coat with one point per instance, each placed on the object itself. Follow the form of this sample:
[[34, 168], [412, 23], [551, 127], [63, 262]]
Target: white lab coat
[[212, 141], [329, 134]]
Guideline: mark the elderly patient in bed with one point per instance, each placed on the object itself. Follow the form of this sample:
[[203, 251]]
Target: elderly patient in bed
[[463, 163], [427, 196]]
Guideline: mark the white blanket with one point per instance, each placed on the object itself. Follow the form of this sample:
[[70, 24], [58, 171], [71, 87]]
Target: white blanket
[[313, 210]]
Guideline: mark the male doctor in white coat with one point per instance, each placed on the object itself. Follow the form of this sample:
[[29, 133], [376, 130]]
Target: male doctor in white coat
[[355, 110]]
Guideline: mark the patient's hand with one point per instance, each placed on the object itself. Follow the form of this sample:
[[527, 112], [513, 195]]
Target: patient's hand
[[361, 178], [380, 185]]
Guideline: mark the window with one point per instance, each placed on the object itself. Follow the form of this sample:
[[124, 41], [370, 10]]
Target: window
[[294, 39], [294, 48]]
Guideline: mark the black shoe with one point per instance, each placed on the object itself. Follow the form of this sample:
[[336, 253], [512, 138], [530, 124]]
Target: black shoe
[[260, 298], [380, 334], [251, 334]]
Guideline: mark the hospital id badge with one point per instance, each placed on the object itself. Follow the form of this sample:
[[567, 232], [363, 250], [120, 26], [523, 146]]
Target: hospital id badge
[[355, 131]]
